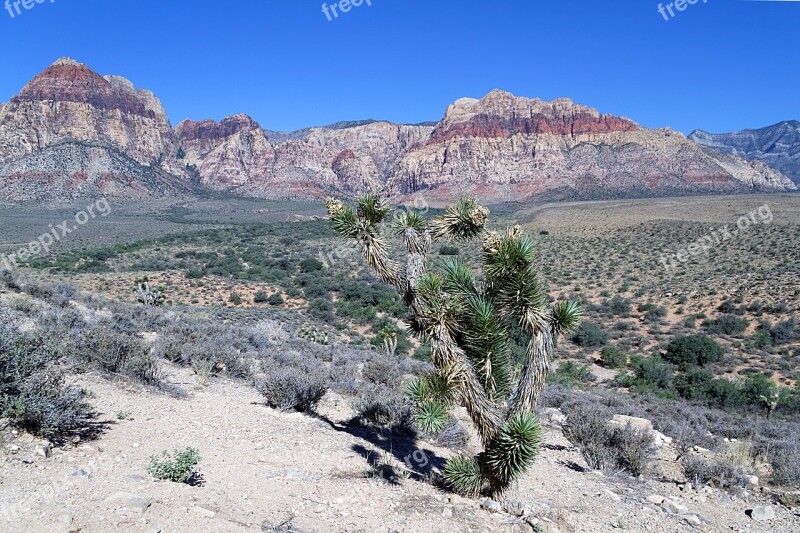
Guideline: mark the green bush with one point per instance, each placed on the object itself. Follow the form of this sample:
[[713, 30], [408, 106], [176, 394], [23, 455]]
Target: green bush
[[590, 335], [311, 265], [613, 357], [571, 374], [260, 297], [695, 350], [179, 466], [727, 325], [275, 299]]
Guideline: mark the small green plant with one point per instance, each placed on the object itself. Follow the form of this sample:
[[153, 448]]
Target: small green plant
[[179, 466], [124, 415]]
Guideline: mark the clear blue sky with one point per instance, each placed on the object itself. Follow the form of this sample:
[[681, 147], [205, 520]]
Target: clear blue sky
[[719, 66]]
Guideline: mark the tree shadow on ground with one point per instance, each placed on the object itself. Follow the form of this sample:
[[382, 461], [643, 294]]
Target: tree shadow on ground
[[401, 444]]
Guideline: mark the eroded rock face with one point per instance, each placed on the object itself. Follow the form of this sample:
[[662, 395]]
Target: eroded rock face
[[71, 104], [236, 155], [505, 148], [71, 132]]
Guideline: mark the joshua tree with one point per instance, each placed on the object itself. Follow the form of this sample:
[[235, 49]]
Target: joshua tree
[[147, 295], [466, 318]]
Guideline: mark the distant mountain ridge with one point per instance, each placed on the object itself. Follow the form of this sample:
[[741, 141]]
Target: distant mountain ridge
[[777, 146], [72, 133]]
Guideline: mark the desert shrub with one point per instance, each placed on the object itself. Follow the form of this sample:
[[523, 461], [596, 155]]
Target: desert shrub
[[590, 335], [311, 265], [571, 374], [381, 370], [179, 466], [695, 350], [587, 428], [783, 332], [613, 357], [718, 472], [784, 456], [384, 408], [620, 306], [727, 325], [119, 353], [652, 372], [290, 388], [631, 448], [33, 392], [260, 297], [275, 299]]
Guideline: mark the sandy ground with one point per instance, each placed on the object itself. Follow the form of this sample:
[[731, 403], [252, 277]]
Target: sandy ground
[[263, 470]]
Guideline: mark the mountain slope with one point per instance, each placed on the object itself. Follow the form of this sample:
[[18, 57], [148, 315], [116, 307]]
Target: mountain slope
[[777, 146], [71, 132], [69, 118], [506, 147]]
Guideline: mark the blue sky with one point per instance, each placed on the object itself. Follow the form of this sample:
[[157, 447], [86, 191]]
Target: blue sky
[[719, 65]]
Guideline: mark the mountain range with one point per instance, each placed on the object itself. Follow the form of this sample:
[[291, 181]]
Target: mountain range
[[73, 133], [778, 145]]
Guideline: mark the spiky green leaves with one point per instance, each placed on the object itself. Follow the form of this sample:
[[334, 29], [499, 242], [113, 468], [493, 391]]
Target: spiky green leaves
[[464, 476], [462, 221], [430, 416], [343, 219], [514, 448], [372, 208], [510, 271], [434, 396], [567, 316], [458, 277], [485, 339]]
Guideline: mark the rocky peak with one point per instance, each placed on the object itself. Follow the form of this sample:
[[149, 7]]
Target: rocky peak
[[66, 80], [210, 130], [500, 114]]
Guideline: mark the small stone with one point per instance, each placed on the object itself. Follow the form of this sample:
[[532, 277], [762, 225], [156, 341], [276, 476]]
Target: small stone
[[491, 506], [674, 506], [751, 481], [615, 497], [130, 501], [80, 472], [447, 513], [43, 451], [693, 520], [656, 499], [642, 424], [762, 513], [13, 448]]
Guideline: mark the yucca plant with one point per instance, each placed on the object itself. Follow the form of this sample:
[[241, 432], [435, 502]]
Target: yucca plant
[[466, 317]]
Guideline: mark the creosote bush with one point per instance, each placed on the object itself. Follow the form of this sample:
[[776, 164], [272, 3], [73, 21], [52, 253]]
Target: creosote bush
[[467, 316]]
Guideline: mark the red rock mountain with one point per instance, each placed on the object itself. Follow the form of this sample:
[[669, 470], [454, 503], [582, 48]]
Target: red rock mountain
[[71, 132]]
